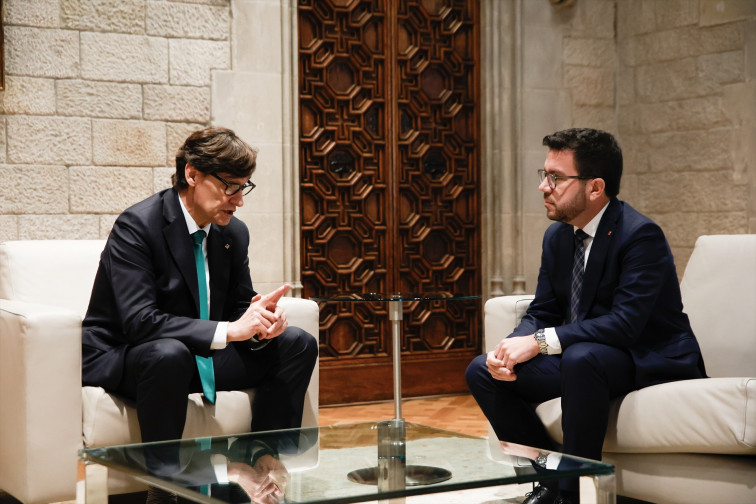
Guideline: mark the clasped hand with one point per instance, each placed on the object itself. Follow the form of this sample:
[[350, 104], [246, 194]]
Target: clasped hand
[[264, 319], [508, 353]]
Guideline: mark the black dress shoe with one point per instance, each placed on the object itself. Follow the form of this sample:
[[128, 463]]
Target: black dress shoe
[[541, 495], [158, 496]]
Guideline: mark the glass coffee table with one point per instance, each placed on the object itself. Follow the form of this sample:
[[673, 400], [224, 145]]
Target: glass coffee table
[[322, 465]]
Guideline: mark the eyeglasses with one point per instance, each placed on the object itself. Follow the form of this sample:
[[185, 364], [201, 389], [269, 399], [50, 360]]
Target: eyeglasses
[[233, 188], [553, 179]]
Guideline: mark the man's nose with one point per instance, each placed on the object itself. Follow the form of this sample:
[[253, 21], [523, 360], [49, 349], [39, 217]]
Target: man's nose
[[544, 186], [238, 199]]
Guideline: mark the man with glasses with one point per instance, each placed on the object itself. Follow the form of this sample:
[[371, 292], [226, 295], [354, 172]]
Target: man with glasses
[[607, 317], [173, 295]]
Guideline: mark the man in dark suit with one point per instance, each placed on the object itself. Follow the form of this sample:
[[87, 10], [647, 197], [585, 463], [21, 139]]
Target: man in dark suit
[[155, 306], [619, 329]]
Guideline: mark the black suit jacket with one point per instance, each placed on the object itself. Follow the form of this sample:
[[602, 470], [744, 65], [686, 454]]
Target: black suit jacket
[[146, 286], [630, 298]]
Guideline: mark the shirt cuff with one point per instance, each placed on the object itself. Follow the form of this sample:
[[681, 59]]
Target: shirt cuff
[[219, 338], [553, 346], [552, 460], [220, 468]]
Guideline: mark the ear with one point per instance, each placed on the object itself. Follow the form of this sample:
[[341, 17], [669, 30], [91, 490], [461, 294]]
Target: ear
[[190, 172], [595, 188]]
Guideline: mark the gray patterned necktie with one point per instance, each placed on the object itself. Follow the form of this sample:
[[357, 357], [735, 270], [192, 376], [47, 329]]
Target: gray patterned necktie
[[578, 268]]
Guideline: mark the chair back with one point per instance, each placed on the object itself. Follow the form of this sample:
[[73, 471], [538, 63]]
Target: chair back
[[719, 296], [52, 272]]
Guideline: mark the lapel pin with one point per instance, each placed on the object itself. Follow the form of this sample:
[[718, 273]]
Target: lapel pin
[[610, 234], [227, 245]]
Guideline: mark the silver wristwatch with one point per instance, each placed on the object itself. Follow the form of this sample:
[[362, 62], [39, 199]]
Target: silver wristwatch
[[540, 337]]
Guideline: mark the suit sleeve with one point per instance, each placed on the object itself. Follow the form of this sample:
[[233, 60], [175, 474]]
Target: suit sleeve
[[130, 260], [644, 268]]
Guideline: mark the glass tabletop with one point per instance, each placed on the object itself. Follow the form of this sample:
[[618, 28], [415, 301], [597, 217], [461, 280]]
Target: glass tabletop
[[397, 296], [318, 465]]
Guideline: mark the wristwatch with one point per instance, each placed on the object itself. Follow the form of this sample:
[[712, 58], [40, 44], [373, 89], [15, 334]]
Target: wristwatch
[[541, 458], [540, 337]]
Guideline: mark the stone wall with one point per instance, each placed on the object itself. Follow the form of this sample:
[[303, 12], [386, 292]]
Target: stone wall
[[686, 93], [98, 96]]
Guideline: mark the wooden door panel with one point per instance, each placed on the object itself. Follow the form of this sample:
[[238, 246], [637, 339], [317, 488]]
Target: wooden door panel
[[390, 187]]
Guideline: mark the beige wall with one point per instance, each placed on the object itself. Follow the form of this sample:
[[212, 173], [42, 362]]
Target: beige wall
[[100, 93]]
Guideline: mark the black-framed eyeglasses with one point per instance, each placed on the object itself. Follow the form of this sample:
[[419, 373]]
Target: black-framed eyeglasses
[[233, 188], [553, 179]]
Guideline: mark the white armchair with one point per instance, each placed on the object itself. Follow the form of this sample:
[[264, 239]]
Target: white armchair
[[688, 441], [46, 415]]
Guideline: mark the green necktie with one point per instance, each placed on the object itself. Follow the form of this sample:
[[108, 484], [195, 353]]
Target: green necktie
[[204, 364]]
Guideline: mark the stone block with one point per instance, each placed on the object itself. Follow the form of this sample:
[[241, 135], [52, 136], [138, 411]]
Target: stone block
[[99, 99], [101, 189], [53, 227], [750, 51], [629, 120], [590, 52], [603, 118], [165, 19], [176, 134], [544, 45], [699, 150], [725, 11], [8, 227], [124, 58], [682, 229], [635, 153], [635, 17], [593, 18], [693, 192], [38, 13], [28, 95], [266, 237], [257, 36], [49, 140], [40, 52], [673, 80], [33, 189], [106, 225], [692, 114], [254, 112], [685, 42], [2, 140], [161, 178], [545, 111], [675, 13], [192, 60], [177, 103], [124, 16], [128, 143], [626, 86], [269, 177], [722, 68], [590, 86]]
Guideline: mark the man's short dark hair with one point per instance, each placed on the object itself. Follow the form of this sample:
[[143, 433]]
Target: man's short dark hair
[[214, 150], [597, 154]]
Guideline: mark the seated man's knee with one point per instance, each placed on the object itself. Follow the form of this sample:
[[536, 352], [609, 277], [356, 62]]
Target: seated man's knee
[[476, 371], [580, 356], [170, 356]]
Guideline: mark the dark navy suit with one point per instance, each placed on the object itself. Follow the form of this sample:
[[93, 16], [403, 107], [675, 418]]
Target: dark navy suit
[[630, 333], [142, 328]]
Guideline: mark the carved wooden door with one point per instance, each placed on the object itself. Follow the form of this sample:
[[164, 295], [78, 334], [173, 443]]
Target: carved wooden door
[[390, 188]]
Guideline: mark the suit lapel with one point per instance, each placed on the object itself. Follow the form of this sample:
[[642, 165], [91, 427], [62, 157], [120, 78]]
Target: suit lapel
[[597, 257], [179, 243], [219, 246]]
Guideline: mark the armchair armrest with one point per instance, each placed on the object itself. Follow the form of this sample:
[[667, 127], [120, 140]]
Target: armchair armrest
[[40, 393], [502, 314], [305, 314]]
